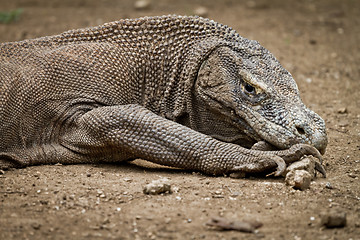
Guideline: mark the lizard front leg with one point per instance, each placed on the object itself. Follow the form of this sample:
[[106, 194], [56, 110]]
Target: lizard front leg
[[131, 131]]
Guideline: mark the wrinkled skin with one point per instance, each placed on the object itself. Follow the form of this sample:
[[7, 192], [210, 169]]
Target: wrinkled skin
[[179, 91], [246, 101], [253, 105]]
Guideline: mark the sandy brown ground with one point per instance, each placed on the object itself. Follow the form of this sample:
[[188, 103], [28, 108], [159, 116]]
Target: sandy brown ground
[[317, 41]]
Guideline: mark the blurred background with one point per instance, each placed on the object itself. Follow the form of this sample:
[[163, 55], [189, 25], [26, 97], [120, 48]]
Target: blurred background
[[316, 40], [33, 18]]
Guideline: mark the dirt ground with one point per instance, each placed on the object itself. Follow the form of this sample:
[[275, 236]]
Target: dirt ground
[[316, 40]]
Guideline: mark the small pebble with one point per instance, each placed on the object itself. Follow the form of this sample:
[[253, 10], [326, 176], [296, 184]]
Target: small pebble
[[36, 226], [334, 219], [218, 196], [308, 80], [88, 174], [298, 179], [247, 225], [329, 186], [342, 110], [307, 163], [201, 11], [158, 187], [312, 41], [340, 31], [127, 179], [352, 175], [142, 4], [234, 194], [343, 123]]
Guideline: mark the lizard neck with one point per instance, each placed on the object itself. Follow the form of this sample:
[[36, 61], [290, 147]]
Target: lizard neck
[[178, 99]]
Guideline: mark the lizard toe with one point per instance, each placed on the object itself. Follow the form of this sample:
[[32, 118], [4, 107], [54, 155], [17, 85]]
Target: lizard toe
[[263, 164], [281, 166], [297, 151], [320, 168]]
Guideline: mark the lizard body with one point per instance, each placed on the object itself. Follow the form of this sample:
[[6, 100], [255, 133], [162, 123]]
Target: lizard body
[[179, 91]]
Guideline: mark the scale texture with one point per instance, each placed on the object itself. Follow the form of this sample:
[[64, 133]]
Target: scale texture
[[179, 91]]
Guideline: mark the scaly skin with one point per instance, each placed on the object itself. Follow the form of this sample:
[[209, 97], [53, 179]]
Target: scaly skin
[[179, 91]]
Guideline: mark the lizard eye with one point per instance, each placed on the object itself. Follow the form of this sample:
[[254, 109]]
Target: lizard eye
[[249, 89]]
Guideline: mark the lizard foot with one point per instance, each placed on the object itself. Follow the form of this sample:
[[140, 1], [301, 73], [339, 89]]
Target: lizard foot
[[266, 162], [271, 159], [298, 151]]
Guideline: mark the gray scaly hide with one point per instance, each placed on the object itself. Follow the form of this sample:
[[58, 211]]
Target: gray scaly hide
[[180, 91]]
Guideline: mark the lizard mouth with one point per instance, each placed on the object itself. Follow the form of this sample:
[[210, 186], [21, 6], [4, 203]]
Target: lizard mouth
[[263, 130], [255, 140], [259, 141]]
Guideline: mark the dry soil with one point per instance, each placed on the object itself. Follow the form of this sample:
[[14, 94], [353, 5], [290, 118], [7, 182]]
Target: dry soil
[[317, 41]]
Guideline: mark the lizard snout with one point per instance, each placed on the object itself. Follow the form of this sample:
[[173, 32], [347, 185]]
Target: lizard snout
[[313, 134], [319, 141]]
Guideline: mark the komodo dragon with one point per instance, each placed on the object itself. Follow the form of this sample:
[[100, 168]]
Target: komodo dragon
[[174, 90]]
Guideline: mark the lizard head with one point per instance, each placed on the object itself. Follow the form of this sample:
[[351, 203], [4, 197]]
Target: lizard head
[[245, 96]]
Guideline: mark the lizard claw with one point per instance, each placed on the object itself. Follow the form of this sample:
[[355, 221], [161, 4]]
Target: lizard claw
[[298, 151], [295, 152], [279, 159], [320, 168], [269, 162], [281, 166]]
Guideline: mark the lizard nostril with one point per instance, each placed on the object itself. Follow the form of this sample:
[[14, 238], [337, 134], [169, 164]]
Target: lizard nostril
[[300, 130]]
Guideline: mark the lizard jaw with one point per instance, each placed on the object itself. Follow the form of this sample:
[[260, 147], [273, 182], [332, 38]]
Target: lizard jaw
[[279, 137]]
